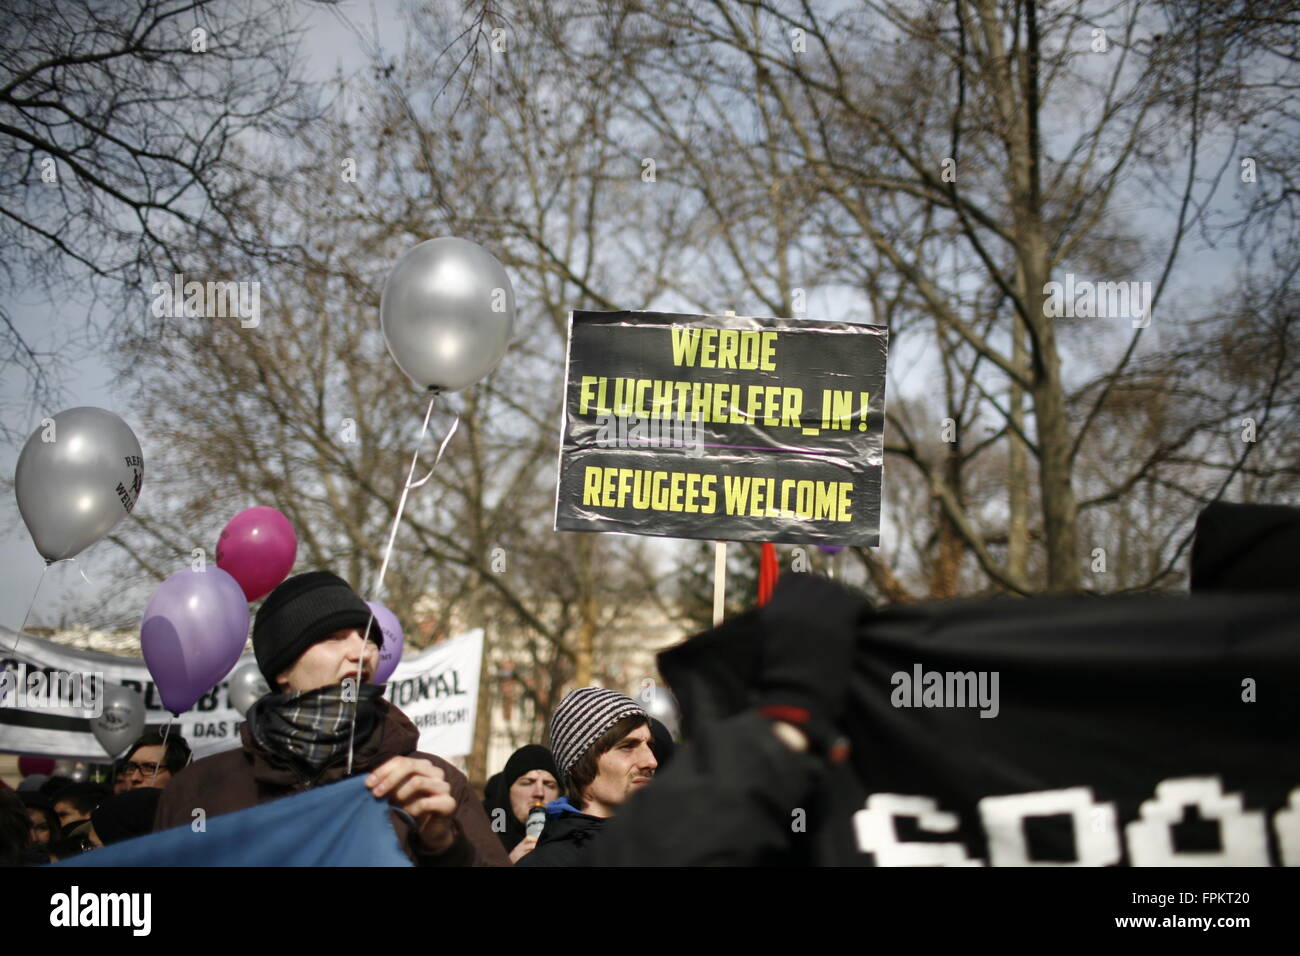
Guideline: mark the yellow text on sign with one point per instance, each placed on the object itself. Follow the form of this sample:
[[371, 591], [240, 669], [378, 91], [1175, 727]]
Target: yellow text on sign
[[692, 493], [725, 348]]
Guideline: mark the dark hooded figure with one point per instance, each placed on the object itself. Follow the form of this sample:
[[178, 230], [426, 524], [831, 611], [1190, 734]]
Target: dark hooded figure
[[492, 790], [44, 821], [15, 831], [124, 815], [530, 777], [1246, 548]]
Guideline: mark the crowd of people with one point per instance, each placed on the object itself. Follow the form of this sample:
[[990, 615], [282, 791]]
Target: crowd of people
[[596, 793], [324, 721], [62, 817]]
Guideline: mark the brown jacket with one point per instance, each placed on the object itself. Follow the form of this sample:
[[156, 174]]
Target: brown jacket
[[242, 778]]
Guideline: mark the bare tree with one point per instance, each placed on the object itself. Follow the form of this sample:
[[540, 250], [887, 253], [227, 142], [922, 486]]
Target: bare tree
[[948, 160], [307, 412], [119, 128]]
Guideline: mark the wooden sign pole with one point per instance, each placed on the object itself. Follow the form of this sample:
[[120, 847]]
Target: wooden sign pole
[[719, 580]]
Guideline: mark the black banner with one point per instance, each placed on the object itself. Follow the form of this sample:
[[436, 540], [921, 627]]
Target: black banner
[[1143, 731], [723, 428]]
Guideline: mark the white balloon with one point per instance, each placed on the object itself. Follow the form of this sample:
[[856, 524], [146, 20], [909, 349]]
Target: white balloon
[[122, 720], [447, 312], [77, 477], [246, 687], [662, 705]]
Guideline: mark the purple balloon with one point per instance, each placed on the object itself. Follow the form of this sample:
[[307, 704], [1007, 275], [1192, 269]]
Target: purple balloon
[[831, 548], [193, 632], [391, 650]]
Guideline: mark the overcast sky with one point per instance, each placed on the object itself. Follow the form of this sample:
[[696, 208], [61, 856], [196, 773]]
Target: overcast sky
[[327, 46]]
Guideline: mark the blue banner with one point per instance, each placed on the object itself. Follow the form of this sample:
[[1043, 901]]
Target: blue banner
[[338, 825]]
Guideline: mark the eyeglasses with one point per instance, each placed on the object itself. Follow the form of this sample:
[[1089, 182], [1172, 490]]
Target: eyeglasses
[[144, 769]]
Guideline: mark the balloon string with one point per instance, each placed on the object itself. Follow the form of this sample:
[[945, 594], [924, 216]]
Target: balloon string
[[166, 730], [19, 636], [441, 448], [401, 503], [377, 588], [80, 571]]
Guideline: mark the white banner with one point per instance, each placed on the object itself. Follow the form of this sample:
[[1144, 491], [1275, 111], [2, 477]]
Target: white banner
[[437, 689]]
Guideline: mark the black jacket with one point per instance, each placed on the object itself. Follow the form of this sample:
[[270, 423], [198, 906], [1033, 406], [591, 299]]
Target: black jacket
[[568, 838], [726, 801]]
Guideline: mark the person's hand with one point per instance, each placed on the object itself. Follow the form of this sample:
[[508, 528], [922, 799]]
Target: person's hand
[[416, 786], [524, 847], [810, 630]]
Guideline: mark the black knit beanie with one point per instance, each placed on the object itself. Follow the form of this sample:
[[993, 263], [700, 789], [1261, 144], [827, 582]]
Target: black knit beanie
[[525, 760], [304, 610]]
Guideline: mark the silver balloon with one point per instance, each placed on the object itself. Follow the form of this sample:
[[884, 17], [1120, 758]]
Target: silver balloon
[[78, 476], [447, 312], [247, 687], [122, 721]]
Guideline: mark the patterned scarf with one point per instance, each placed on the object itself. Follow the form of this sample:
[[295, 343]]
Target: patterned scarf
[[309, 730]]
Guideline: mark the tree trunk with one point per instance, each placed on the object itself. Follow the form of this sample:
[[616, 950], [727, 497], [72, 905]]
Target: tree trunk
[[945, 582], [1053, 433], [1017, 457], [476, 767], [1060, 513]]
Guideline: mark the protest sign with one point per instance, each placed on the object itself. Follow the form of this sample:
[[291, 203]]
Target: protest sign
[[54, 727], [438, 690], [723, 428]]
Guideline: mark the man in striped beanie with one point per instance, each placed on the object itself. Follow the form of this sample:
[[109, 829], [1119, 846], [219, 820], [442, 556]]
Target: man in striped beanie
[[601, 740]]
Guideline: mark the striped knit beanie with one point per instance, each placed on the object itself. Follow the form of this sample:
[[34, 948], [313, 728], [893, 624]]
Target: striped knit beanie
[[582, 717]]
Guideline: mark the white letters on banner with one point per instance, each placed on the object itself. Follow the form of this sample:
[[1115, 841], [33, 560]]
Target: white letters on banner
[[1243, 834]]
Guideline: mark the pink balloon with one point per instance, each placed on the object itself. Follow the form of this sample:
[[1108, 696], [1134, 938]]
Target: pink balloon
[[390, 652], [257, 549]]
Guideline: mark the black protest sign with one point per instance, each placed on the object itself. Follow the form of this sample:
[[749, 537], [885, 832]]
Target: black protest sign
[[723, 428]]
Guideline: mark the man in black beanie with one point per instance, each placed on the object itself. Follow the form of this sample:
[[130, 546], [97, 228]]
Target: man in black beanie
[[529, 778], [318, 647]]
